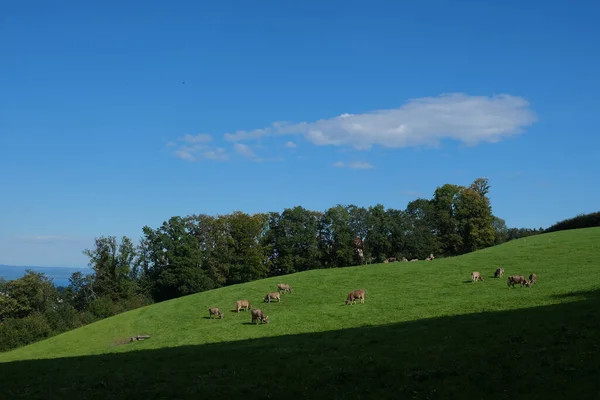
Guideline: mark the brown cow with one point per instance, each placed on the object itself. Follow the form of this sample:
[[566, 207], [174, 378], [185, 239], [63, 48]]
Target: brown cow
[[284, 287], [520, 279], [258, 315], [355, 294], [272, 295], [404, 259], [242, 304], [499, 272], [214, 311], [476, 276], [533, 278], [392, 259]]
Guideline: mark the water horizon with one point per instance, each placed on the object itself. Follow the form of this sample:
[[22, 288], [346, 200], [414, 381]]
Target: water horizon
[[59, 275]]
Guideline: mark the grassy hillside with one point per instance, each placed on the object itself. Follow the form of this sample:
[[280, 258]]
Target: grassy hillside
[[425, 331]]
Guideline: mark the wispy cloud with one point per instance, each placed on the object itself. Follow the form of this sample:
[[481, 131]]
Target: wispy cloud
[[217, 154], [198, 147], [353, 165], [244, 150], [422, 121], [200, 138], [290, 145]]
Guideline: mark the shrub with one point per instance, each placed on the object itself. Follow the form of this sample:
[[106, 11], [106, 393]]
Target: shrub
[[16, 332]]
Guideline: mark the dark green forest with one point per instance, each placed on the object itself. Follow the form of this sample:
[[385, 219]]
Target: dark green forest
[[191, 254]]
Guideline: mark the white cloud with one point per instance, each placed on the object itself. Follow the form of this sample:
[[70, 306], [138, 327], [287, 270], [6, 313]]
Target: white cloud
[[185, 155], [218, 154], [244, 150], [200, 138], [197, 147], [353, 165], [201, 152], [290, 145], [423, 121]]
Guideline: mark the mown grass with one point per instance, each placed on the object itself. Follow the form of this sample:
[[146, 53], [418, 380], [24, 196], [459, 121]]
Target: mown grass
[[425, 331]]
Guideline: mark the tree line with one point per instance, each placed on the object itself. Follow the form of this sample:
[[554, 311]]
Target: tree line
[[195, 253]]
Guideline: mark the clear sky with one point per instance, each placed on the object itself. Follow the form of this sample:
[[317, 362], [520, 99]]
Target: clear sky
[[120, 114]]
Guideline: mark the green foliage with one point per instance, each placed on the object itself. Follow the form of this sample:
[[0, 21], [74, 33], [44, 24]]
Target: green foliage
[[33, 292], [420, 334], [578, 222], [196, 253], [16, 332]]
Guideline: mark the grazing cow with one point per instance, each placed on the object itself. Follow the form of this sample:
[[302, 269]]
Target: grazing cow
[[242, 304], [476, 276], [499, 272], [214, 311], [258, 315], [520, 279], [284, 287], [392, 259], [414, 259], [386, 261], [430, 258], [404, 259], [272, 295], [355, 294], [533, 278]]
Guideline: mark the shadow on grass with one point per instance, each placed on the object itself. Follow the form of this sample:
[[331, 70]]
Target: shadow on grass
[[548, 352]]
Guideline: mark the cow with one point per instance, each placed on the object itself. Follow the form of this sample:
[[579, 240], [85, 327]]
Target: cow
[[392, 259], [214, 311], [242, 304], [476, 276], [533, 278], [414, 259], [430, 258], [518, 279], [259, 316], [499, 272], [355, 294], [284, 287], [404, 259], [386, 261], [272, 295]]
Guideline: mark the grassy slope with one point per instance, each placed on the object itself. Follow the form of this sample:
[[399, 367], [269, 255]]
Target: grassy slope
[[424, 332]]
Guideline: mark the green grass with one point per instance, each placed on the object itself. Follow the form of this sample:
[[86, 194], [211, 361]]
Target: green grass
[[425, 331]]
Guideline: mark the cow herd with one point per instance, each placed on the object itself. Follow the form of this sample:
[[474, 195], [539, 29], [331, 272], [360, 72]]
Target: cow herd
[[258, 316], [512, 280]]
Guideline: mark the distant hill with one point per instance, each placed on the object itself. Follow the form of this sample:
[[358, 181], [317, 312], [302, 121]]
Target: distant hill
[[425, 331], [59, 274]]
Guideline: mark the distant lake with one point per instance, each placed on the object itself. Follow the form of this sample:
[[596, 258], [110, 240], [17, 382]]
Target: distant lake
[[60, 275]]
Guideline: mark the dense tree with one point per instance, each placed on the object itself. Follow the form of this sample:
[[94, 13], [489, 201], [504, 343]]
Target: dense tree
[[421, 238], [445, 200], [248, 260], [113, 264], [500, 230], [195, 253], [34, 292], [175, 265], [337, 238], [475, 217]]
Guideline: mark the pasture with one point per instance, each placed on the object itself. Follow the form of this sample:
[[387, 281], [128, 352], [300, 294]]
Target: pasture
[[425, 331]]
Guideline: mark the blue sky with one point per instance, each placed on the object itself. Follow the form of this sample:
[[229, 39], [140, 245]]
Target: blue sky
[[123, 114]]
